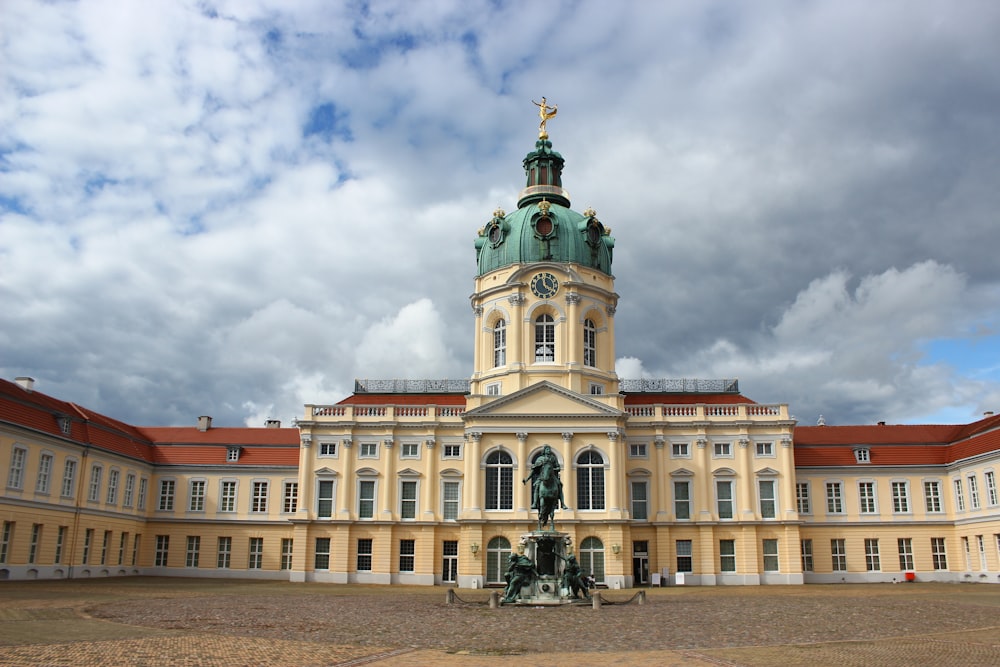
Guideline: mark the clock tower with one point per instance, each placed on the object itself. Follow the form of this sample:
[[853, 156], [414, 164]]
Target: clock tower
[[544, 298]]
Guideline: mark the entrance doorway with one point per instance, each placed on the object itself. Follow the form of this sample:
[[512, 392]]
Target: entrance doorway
[[640, 562], [449, 566]]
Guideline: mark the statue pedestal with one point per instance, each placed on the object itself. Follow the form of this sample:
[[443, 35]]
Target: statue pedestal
[[548, 550]]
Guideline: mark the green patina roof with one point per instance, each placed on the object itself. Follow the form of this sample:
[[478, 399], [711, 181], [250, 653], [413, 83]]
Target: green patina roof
[[544, 228]]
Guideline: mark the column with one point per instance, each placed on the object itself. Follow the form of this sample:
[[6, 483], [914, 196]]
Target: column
[[574, 333], [703, 484], [515, 334], [568, 479], [345, 492], [387, 490], [786, 498], [431, 482], [305, 478], [479, 363], [746, 481], [659, 493], [614, 475], [473, 473], [522, 491]]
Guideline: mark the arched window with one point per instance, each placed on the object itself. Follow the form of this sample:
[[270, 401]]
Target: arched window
[[499, 343], [589, 343], [590, 481], [497, 553], [591, 558], [545, 338], [499, 481]]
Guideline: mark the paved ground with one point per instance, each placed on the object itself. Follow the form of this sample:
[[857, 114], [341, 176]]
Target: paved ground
[[185, 622]]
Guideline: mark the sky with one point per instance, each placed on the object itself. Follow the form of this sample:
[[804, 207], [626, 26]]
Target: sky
[[237, 208]]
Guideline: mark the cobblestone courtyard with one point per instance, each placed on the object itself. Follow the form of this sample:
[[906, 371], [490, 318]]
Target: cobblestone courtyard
[[147, 621]]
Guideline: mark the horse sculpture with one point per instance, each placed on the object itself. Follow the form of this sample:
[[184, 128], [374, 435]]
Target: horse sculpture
[[548, 496]]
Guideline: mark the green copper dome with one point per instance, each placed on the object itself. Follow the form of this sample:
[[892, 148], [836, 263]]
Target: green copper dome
[[544, 228]]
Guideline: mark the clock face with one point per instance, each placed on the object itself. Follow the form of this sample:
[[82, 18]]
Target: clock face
[[544, 285]]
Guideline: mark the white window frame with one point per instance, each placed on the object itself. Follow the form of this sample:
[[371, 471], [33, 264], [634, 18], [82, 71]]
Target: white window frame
[[862, 455], [290, 496], [321, 482], [43, 482], [959, 495], [838, 554], [634, 502], [767, 506], [128, 494], [681, 502], [446, 501], [867, 503], [722, 450], [227, 501], [328, 449], [197, 494], [413, 503], [721, 483], [499, 344], [727, 555], [94, 487], [589, 343], [803, 498], [18, 460], [362, 484], [545, 339], [494, 389], [168, 492], [260, 490], [900, 489], [368, 450], [68, 486], [873, 557], [992, 497], [764, 450], [769, 554], [680, 450], [834, 497], [904, 545], [939, 554], [451, 450], [932, 496], [409, 450], [638, 450], [806, 552], [973, 492]]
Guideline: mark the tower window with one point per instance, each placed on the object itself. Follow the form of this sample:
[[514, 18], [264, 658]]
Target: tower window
[[589, 343], [499, 343], [545, 338]]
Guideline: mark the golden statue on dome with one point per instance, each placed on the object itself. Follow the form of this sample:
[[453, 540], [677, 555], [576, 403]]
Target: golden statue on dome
[[545, 112]]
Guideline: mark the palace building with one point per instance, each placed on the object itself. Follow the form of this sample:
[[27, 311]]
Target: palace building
[[422, 482]]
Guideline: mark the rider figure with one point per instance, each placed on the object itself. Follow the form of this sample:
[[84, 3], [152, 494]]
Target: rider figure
[[547, 457]]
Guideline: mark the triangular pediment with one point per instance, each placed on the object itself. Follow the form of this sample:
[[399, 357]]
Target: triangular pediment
[[543, 399], [326, 472]]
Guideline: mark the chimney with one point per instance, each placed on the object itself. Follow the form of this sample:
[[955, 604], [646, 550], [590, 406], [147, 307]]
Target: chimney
[[988, 413], [204, 423], [272, 423], [881, 423], [26, 383]]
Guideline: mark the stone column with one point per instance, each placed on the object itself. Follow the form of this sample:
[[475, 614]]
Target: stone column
[[615, 475], [703, 486], [305, 477], [474, 473], [387, 492], [574, 331], [746, 481], [522, 492], [345, 491], [658, 492], [515, 335], [431, 482]]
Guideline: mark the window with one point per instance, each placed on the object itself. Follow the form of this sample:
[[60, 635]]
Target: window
[[724, 498], [324, 499], [258, 497], [193, 551], [991, 488], [872, 561], [94, 494], [590, 481], [122, 543], [227, 497], [232, 454], [286, 553], [105, 543], [15, 478], [166, 495], [932, 496], [369, 450], [44, 474], [69, 479], [765, 449], [727, 555], [407, 551], [255, 560], [449, 496], [640, 502], [866, 497], [862, 455], [765, 492], [135, 548], [684, 556], [905, 545], [5, 540], [802, 504], [410, 450], [321, 561], [225, 553], [545, 339], [939, 556], [900, 497], [589, 343], [197, 495], [723, 450], [364, 555], [592, 558], [36, 537], [982, 552], [806, 548], [449, 561], [959, 498], [129, 492], [596, 389], [968, 555], [88, 540], [499, 481], [453, 451], [327, 449], [973, 492], [770, 551], [60, 543], [838, 555], [112, 497], [366, 499], [162, 550], [637, 450], [141, 501], [679, 450], [682, 500], [499, 343], [290, 498], [408, 499], [497, 554]]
